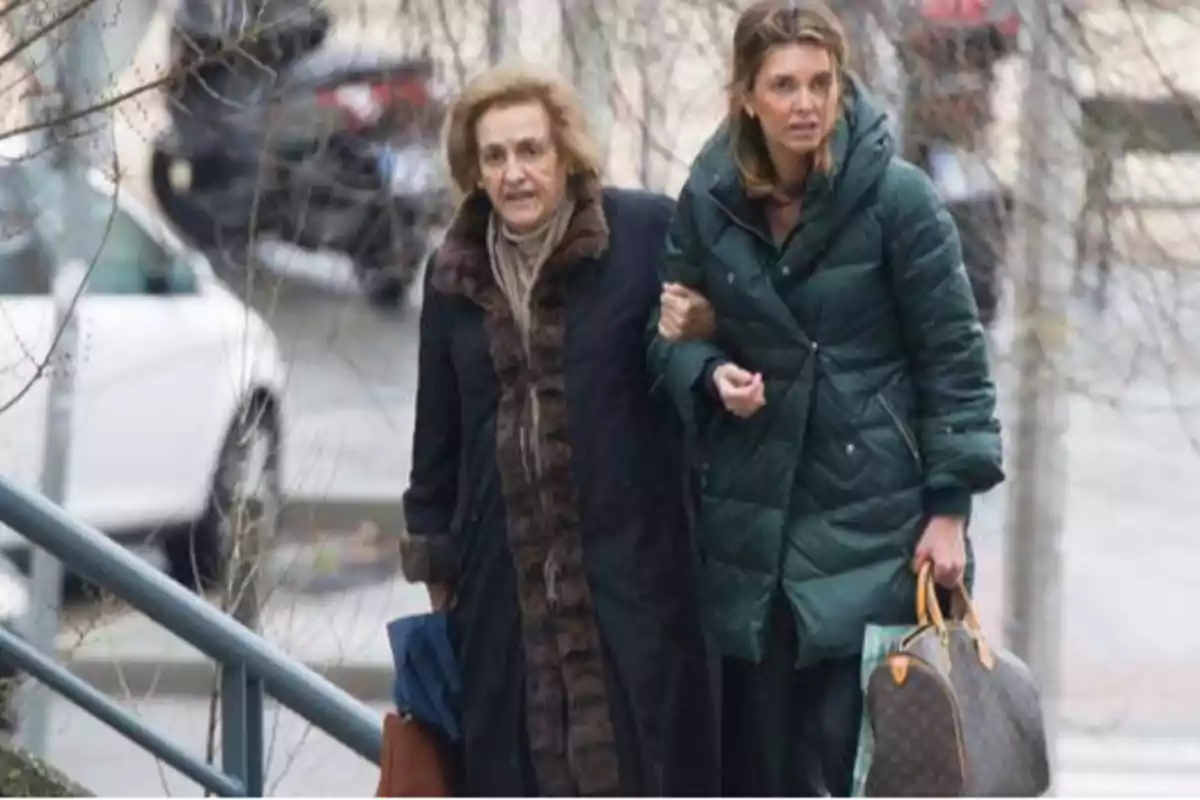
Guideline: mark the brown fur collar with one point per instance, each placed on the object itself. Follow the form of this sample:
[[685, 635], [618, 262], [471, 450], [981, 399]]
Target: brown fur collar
[[462, 265], [564, 665]]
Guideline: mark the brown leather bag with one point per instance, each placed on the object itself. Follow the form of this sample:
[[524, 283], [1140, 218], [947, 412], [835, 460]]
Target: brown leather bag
[[412, 763], [951, 716]]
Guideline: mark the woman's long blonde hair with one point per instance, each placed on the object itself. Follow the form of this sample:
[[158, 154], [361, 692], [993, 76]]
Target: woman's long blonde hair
[[761, 27], [513, 83]]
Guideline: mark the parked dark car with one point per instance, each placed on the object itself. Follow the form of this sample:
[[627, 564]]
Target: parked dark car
[[276, 134]]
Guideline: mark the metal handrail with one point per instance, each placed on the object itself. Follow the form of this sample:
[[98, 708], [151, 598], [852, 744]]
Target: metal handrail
[[29, 659], [251, 664]]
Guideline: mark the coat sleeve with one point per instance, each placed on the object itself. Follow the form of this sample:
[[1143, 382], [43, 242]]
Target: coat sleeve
[[683, 369], [427, 550], [957, 428]]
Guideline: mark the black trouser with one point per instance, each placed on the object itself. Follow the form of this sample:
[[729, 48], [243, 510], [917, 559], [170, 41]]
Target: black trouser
[[789, 732]]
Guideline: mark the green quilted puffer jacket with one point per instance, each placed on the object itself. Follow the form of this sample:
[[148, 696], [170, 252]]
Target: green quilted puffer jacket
[[880, 409]]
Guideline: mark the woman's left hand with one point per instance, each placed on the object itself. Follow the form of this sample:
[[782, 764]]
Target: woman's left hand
[[944, 545], [686, 315]]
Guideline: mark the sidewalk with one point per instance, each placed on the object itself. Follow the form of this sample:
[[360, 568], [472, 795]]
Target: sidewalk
[[1113, 767]]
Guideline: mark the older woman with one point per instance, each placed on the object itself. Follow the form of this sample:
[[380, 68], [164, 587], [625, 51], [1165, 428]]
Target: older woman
[[547, 495], [844, 406]]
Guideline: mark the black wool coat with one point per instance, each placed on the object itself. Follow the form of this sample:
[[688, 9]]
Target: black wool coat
[[575, 616]]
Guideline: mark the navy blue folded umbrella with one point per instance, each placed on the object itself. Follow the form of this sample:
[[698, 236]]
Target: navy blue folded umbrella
[[428, 682]]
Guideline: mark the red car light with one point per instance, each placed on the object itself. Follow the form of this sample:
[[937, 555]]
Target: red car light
[[364, 103], [413, 92], [972, 14]]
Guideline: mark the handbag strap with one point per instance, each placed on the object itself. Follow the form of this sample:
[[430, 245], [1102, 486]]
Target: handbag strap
[[929, 612]]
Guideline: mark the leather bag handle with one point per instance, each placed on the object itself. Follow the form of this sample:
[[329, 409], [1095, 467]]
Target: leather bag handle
[[925, 590], [929, 612]]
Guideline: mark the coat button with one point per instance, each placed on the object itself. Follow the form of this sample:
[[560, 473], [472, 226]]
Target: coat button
[[787, 270], [729, 278], [814, 346], [850, 448]]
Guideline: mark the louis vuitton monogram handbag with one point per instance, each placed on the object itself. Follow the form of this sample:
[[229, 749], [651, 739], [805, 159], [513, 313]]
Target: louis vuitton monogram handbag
[[950, 715]]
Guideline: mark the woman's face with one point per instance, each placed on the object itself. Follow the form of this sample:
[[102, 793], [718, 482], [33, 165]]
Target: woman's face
[[795, 98], [521, 170]]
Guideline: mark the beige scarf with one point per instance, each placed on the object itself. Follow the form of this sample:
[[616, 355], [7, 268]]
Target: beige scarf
[[517, 260]]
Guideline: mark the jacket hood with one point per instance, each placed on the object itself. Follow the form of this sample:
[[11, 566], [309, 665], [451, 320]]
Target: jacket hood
[[862, 147]]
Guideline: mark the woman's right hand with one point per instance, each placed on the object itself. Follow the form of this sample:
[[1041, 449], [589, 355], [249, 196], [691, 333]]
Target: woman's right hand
[[741, 392], [686, 315]]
